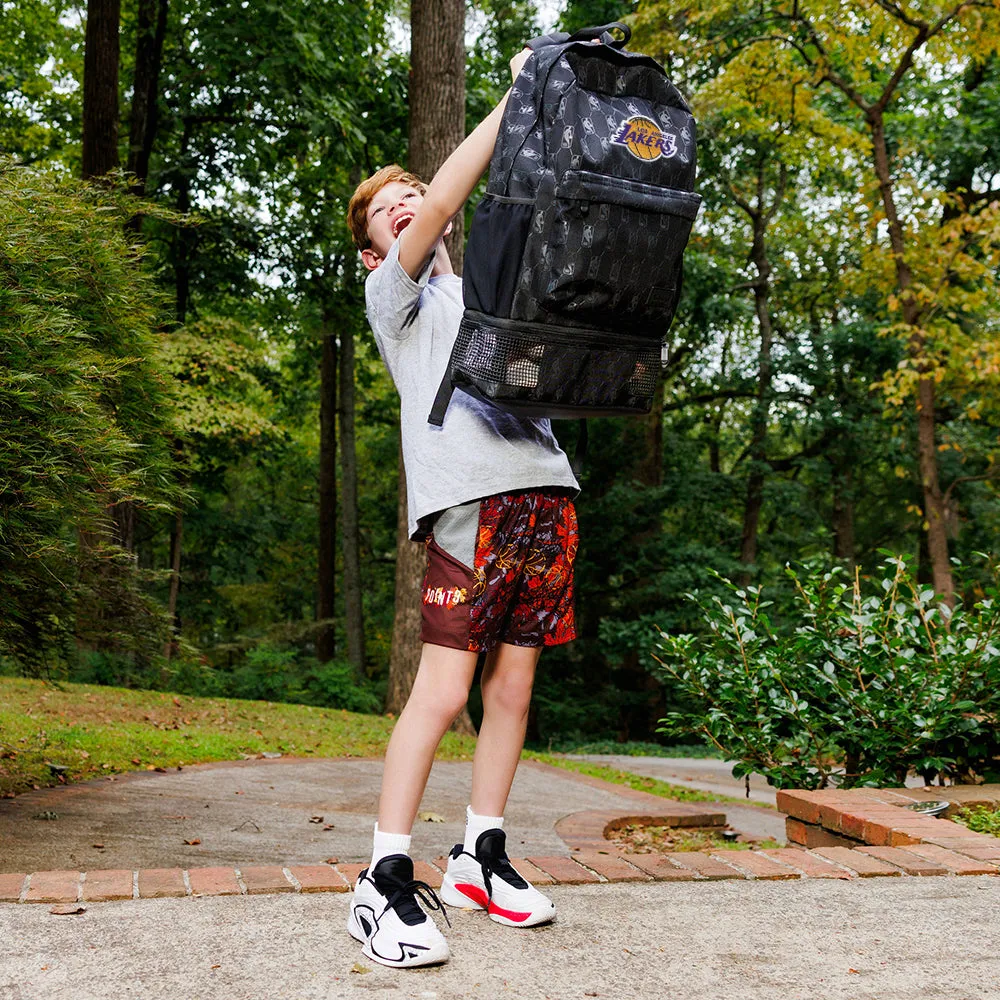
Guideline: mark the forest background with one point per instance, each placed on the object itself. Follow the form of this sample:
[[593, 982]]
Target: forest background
[[199, 442]]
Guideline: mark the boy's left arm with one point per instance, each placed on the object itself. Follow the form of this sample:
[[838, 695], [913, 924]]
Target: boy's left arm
[[452, 185]]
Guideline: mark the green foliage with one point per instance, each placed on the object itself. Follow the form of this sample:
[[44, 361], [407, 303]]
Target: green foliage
[[40, 64], [633, 748], [83, 411], [336, 684], [590, 13], [220, 399], [981, 819], [879, 681], [267, 671]]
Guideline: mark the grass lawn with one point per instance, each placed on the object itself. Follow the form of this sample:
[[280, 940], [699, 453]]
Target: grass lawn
[[97, 731], [640, 782]]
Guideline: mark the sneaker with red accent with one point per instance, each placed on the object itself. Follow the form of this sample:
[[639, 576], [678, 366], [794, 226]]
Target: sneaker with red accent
[[488, 881]]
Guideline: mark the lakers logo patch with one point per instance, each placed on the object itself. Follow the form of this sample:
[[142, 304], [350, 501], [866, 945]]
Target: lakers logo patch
[[643, 138]]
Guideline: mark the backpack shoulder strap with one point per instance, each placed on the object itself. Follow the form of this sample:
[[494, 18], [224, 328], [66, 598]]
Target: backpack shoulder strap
[[441, 400]]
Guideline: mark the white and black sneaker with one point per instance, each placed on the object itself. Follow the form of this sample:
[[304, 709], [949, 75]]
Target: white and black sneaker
[[387, 919], [487, 880]]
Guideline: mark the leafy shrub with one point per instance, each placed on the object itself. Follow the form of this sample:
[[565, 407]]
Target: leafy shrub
[[335, 684], [632, 748], [876, 682], [85, 417], [268, 673], [275, 672], [980, 819]]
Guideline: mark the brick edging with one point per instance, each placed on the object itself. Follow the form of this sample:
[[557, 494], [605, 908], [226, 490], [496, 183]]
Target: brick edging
[[590, 867], [876, 817]]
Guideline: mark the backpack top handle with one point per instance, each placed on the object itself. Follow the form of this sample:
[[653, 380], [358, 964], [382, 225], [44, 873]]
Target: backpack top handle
[[599, 33], [602, 33]]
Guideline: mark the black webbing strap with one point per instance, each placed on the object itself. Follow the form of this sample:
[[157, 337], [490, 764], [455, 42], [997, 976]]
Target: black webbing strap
[[442, 399]]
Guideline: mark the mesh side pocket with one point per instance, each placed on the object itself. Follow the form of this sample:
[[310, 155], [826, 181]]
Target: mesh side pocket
[[541, 371]]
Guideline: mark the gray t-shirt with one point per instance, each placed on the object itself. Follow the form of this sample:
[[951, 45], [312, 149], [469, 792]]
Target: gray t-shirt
[[480, 450]]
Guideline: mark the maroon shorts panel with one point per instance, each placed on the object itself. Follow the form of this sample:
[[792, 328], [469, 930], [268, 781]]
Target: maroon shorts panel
[[446, 597], [521, 588]]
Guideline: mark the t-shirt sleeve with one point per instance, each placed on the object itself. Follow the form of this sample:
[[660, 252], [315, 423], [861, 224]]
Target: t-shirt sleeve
[[392, 296]]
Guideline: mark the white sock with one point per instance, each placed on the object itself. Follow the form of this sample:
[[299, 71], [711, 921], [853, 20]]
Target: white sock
[[475, 825], [389, 843]]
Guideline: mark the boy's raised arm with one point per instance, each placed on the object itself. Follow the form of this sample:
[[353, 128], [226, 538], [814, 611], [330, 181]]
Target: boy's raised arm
[[452, 184]]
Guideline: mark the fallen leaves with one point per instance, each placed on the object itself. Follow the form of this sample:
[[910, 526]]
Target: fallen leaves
[[67, 910], [193, 841], [430, 817], [360, 969], [316, 819]]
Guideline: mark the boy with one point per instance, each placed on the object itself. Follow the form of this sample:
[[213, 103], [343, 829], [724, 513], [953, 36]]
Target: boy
[[491, 493]]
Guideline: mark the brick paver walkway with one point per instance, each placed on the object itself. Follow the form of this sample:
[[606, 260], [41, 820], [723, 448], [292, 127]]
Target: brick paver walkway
[[913, 861]]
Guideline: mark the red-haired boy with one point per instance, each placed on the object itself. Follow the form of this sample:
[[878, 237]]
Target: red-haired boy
[[491, 493]]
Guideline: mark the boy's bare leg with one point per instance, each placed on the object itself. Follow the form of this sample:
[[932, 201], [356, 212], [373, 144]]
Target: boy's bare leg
[[440, 690], [507, 680]]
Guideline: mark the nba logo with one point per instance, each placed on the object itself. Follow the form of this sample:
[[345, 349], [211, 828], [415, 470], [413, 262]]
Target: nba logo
[[644, 140]]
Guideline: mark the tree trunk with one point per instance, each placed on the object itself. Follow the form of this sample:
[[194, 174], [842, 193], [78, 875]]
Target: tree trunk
[[437, 95], [100, 88], [176, 538], [354, 619], [843, 515], [411, 560], [326, 583], [934, 507], [650, 469], [762, 411], [437, 126], [182, 252], [151, 29]]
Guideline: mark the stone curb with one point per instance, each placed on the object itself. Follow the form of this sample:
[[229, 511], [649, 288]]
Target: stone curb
[[791, 864]]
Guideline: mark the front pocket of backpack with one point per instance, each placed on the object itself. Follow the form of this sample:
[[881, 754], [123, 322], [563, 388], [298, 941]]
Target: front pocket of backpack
[[610, 254]]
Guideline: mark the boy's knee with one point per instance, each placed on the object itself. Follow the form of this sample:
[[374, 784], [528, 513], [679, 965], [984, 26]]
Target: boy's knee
[[443, 700], [510, 691]]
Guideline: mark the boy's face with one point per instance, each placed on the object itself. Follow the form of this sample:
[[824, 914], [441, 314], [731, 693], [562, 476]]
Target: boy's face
[[390, 212]]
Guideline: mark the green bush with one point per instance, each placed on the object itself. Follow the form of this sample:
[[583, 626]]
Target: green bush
[[877, 681], [276, 672], [85, 419], [335, 684], [268, 673], [980, 819]]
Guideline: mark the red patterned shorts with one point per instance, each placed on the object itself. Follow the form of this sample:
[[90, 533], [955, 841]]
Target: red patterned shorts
[[519, 588]]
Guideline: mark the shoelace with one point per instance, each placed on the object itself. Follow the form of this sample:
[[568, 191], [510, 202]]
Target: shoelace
[[404, 901]]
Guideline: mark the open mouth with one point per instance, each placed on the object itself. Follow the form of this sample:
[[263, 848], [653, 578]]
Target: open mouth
[[400, 223]]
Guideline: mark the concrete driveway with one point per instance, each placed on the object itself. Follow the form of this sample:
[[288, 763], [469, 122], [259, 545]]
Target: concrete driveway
[[871, 939]]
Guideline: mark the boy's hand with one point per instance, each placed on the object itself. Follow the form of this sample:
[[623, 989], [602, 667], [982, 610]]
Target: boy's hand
[[518, 62]]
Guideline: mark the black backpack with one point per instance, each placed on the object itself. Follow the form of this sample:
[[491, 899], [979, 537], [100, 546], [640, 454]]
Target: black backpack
[[573, 264]]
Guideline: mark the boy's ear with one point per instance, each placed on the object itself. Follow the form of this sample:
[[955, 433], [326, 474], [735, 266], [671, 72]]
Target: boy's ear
[[370, 259]]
